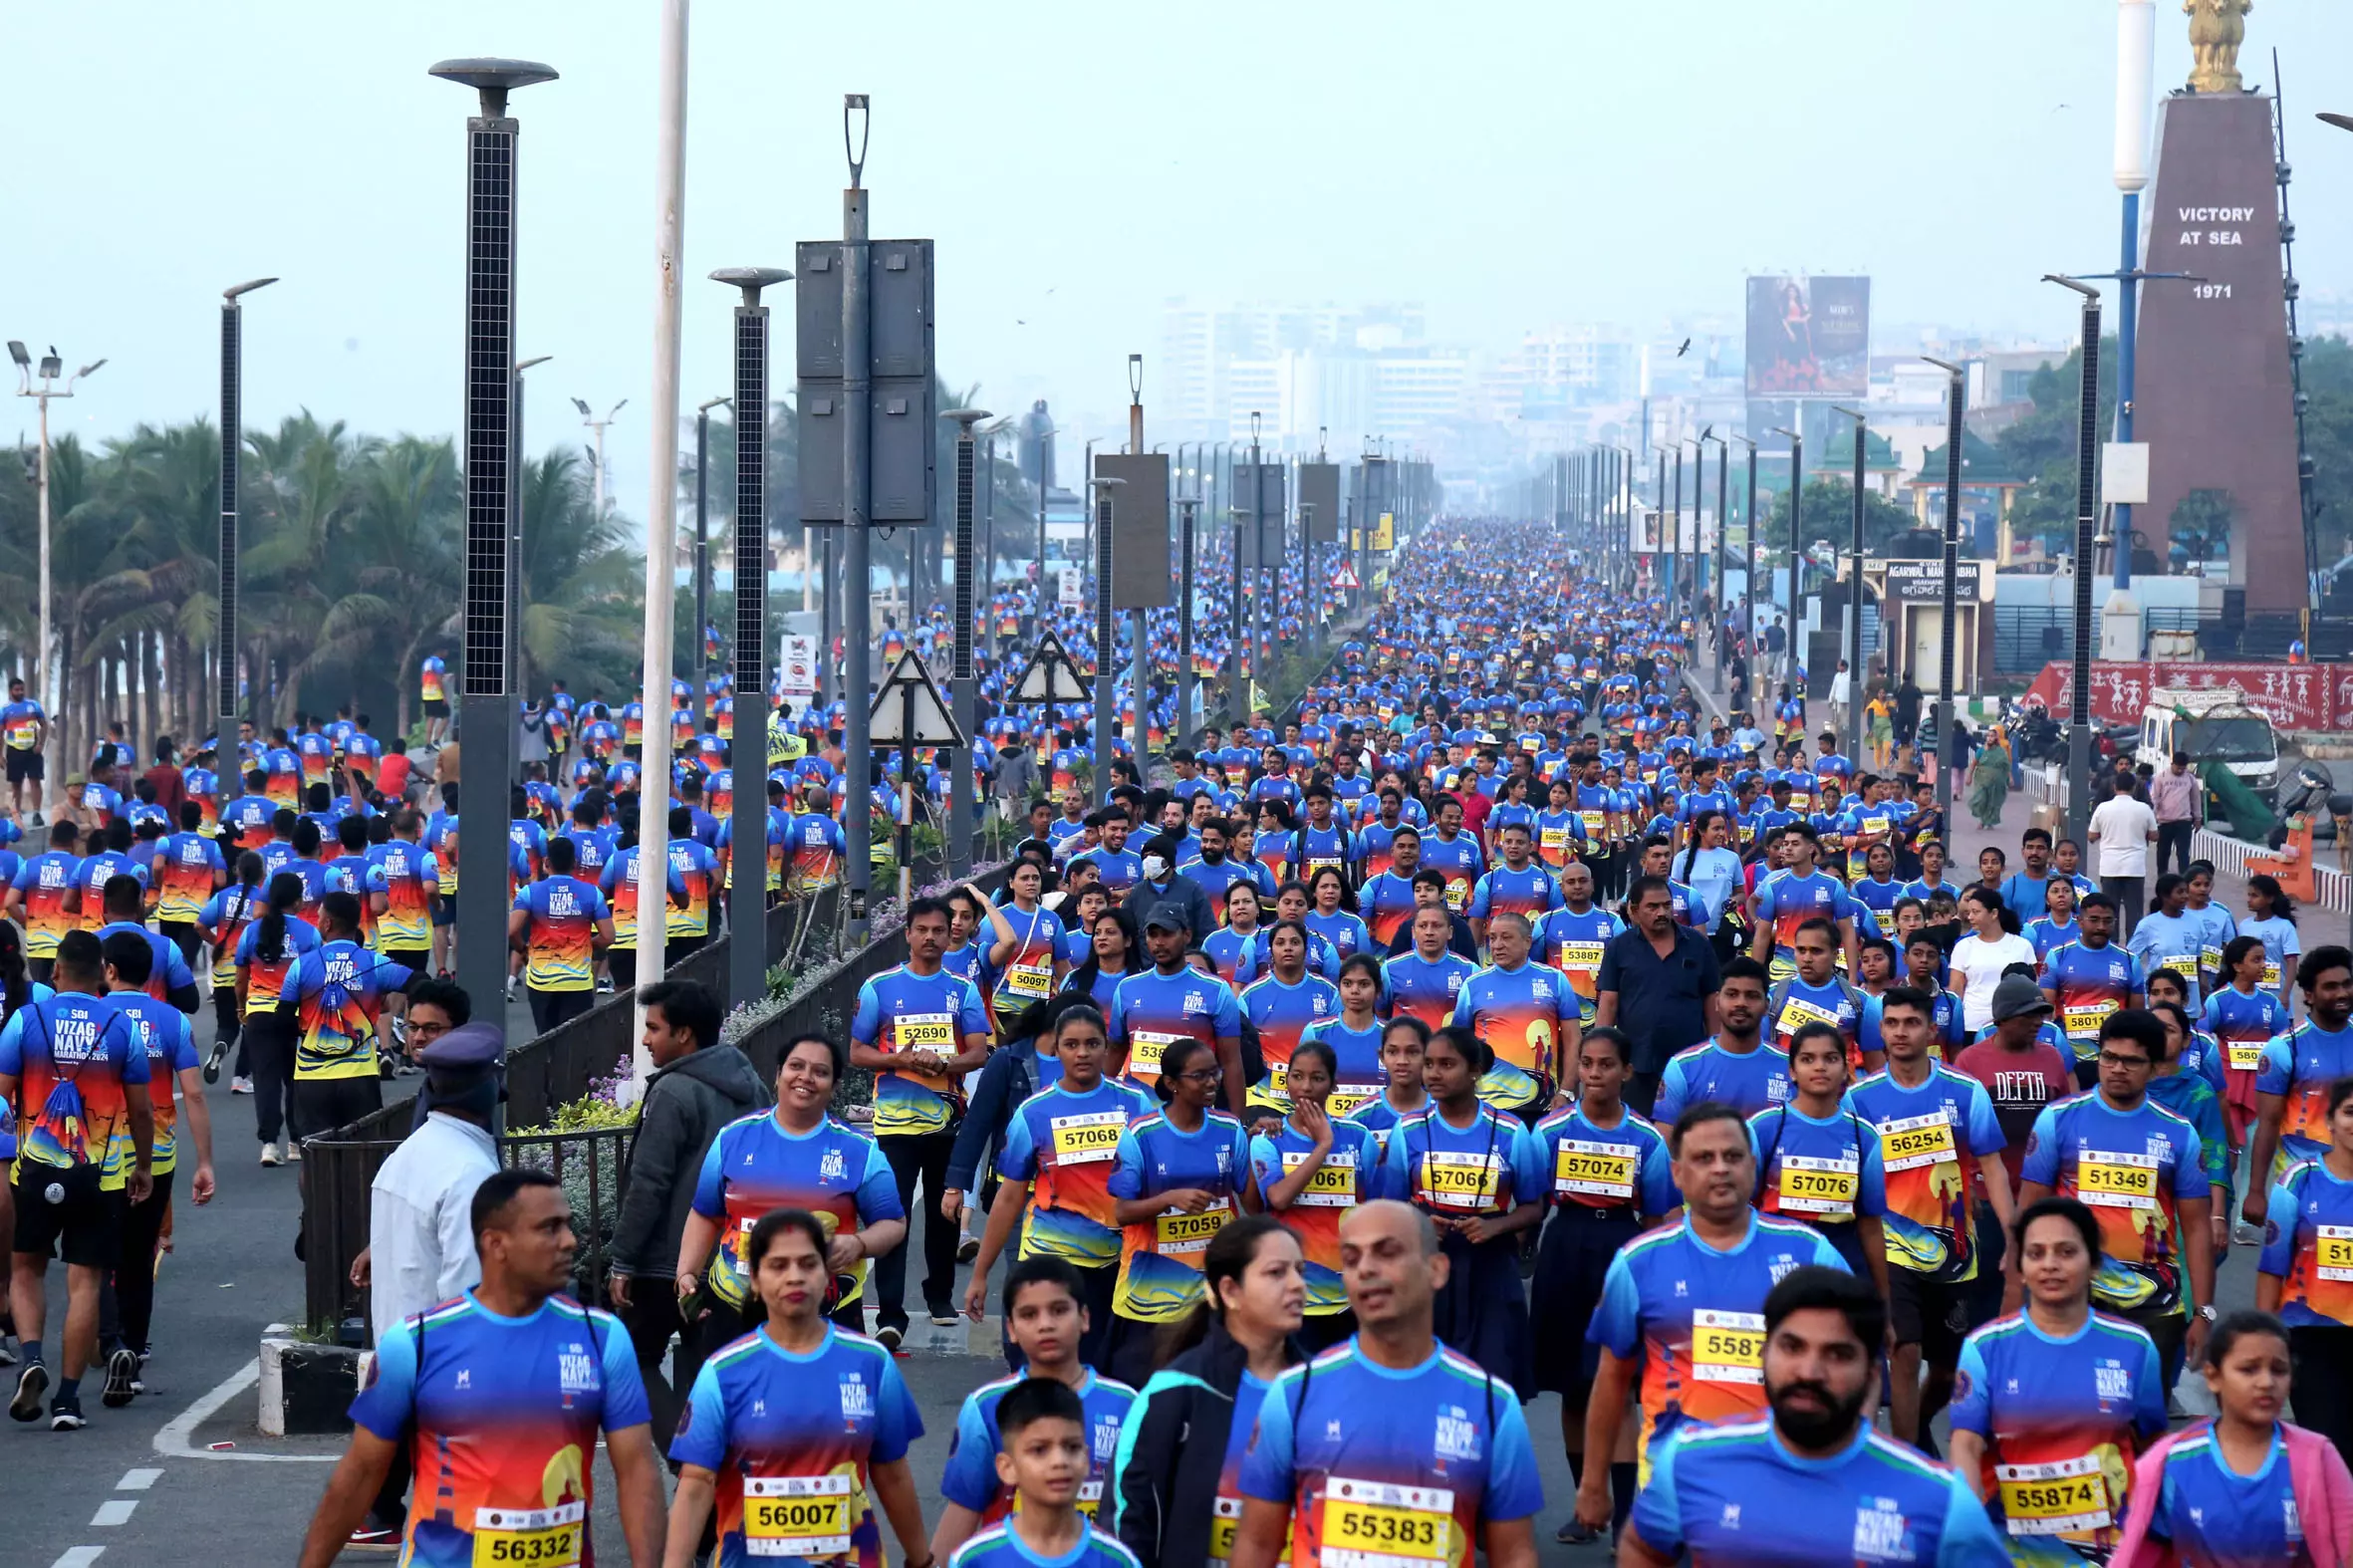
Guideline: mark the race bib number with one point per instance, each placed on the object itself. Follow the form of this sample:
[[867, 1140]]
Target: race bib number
[[534, 1537], [1579, 958], [1332, 1186], [2332, 1253], [2109, 1180], [1174, 1234], [1372, 1525], [1145, 1049], [2054, 1498], [1554, 842], [934, 1032], [1797, 1012], [1029, 980], [22, 733], [1594, 1170], [1914, 1140], [1345, 1100], [1458, 893], [1462, 1181], [1087, 1139], [1822, 1187], [1596, 824], [2247, 1056], [2209, 957], [2083, 1019], [1727, 1347], [2271, 977], [1224, 1514], [797, 1516]]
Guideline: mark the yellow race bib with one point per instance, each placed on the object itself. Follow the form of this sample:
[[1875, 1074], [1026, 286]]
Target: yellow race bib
[[2247, 1056], [1334, 1183], [1176, 1235], [1913, 1141], [2083, 1020], [1595, 1170], [1462, 1181], [1145, 1049], [1031, 982], [531, 1537], [2108, 1180], [1727, 1347], [797, 1516], [2059, 1497], [1824, 1188], [1345, 1100], [1087, 1137], [1374, 1522], [2332, 1253]]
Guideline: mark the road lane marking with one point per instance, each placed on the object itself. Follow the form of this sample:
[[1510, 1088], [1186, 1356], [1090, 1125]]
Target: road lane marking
[[139, 1480], [78, 1557], [174, 1439], [113, 1511]]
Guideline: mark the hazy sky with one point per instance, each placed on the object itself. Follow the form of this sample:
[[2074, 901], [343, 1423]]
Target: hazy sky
[[1510, 165]]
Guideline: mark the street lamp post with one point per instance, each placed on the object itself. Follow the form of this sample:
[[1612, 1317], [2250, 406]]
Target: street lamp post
[[1956, 394], [486, 700], [1715, 557], [1747, 561], [41, 395], [960, 805], [2079, 735], [228, 760], [1854, 638], [589, 417], [702, 554], [514, 545], [1797, 491]]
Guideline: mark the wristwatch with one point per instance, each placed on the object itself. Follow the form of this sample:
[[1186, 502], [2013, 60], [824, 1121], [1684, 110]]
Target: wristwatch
[[2207, 1312]]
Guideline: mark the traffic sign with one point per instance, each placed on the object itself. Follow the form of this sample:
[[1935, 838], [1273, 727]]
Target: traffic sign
[[1073, 587], [909, 711], [1346, 577], [1051, 675], [797, 668]]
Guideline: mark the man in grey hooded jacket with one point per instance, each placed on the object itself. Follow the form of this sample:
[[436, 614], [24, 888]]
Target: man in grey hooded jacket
[[698, 1086]]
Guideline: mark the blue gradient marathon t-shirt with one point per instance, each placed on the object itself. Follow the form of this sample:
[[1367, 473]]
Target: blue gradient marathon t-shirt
[[505, 1413], [1732, 1497], [2214, 1517], [1748, 1081], [1379, 1465], [969, 1479], [793, 1440], [1065, 1145], [754, 1165], [900, 1011]]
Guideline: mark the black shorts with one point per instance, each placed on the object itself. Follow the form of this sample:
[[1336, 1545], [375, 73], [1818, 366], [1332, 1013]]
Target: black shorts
[[444, 909], [419, 959], [434, 707], [83, 1225], [26, 764], [1930, 1313]]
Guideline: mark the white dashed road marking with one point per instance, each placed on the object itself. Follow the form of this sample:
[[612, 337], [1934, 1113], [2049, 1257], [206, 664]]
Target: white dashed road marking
[[78, 1557], [139, 1480], [111, 1512]]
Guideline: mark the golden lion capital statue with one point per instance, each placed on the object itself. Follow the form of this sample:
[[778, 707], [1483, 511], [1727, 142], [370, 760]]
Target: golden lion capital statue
[[2217, 29]]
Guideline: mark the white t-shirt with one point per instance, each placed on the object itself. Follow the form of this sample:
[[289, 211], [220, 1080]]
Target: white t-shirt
[[2123, 826], [1980, 963]]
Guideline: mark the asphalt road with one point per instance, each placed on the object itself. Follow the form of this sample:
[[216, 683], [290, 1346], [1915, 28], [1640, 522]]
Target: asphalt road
[[183, 1476]]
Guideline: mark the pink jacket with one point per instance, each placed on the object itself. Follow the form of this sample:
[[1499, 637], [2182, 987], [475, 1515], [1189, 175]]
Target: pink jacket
[[2323, 1491]]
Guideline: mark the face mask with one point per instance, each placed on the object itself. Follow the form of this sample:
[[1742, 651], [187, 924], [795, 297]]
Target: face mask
[[1155, 868]]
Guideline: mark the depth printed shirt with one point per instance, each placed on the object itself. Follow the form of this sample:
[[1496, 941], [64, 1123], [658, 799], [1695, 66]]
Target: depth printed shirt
[[505, 1413], [900, 1011], [1449, 1453], [792, 1439]]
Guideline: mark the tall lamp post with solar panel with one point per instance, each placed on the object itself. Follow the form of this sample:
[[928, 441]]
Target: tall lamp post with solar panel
[[50, 367], [486, 700], [228, 760]]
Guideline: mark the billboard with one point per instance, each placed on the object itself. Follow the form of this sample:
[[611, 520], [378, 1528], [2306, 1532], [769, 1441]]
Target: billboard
[[1139, 529], [1809, 336]]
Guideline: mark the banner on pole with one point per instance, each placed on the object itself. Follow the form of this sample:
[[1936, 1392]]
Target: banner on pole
[[796, 668]]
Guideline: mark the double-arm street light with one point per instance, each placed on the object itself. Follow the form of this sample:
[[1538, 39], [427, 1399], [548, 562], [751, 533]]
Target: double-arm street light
[[1956, 392], [1797, 491], [1854, 639], [2087, 433]]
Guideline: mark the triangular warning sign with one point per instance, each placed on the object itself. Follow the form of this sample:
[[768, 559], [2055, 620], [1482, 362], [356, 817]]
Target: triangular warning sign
[[908, 711], [1051, 675], [1345, 577]]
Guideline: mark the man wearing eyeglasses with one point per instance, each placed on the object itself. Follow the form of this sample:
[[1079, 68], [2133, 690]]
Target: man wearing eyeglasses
[[2137, 1166]]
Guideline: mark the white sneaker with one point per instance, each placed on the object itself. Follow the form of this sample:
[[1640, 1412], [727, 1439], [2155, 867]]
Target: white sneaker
[[240, 1086], [269, 1155], [293, 1152]]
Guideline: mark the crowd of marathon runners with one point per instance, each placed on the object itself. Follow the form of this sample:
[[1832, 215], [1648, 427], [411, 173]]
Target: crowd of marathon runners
[[1498, 1024]]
